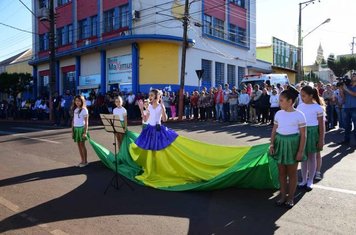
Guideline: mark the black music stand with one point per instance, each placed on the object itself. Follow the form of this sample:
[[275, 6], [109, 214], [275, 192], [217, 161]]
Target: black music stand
[[112, 124]]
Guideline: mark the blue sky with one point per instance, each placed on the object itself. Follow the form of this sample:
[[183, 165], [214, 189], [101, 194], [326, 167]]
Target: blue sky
[[274, 18]]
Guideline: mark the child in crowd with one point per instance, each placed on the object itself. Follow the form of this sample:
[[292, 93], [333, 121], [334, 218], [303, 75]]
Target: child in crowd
[[80, 127], [314, 114], [144, 112], [274, 101], [120, 112], [287, 145]]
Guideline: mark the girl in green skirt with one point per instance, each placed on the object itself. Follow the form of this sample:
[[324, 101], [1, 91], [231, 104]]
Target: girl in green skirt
[[287, 145], [80, 127], [314, 114]]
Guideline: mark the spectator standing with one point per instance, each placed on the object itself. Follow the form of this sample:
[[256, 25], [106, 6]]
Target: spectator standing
[[226, 106], [219, 102], [330, 100], [233, 98], [166, 103], [348, 93], [57, 110], [187, 105], [67, 103], [274, 101], [338, 107], [194, 104], [255, 96], [131, 106], [279, 88], [264, 105], [201, 106], [173, 103], [320, 87], [244, 100], [249, 89]]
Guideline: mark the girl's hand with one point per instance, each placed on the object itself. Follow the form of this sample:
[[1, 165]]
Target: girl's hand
[[271, 150], [299, 157], [140, 104], [320, 144], [84, 135]]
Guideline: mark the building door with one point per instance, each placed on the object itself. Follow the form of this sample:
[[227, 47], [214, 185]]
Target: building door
[[206, 65]]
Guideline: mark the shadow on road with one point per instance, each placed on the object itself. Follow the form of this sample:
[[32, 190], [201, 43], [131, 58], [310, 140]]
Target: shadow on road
[[230, 211]]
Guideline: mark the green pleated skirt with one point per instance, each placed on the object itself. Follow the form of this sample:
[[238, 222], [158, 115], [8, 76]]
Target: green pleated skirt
[[286, 149], [78, 134], [312, 140]]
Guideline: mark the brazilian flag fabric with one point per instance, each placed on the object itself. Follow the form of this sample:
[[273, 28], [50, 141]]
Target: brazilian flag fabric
[[187, 164]]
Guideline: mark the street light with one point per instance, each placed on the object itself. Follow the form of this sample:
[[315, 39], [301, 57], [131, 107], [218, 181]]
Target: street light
[[325, 22], [302, 5]]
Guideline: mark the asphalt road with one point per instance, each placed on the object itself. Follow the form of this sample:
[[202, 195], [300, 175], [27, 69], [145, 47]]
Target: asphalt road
[[41, 192]]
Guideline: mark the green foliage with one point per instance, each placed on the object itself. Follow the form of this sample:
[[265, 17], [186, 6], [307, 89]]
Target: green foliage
[[342, 65], [311, 77], [14, 83]]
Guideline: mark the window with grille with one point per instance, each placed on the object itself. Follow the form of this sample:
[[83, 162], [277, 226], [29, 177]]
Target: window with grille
[[83, 29], [109, 20], [219, 73], [231, 74], [218, 28], [206, 79], [241, 74]]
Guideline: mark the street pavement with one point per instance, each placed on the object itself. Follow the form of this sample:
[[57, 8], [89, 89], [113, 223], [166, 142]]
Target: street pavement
[[41, 192]]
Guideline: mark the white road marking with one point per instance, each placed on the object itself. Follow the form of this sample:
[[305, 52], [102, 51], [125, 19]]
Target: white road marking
[[22, 135], [11, 206], [58, 232], [346, 191]]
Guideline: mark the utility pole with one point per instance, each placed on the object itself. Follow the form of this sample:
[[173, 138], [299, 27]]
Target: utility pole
[[52, 58], [184, 55], [300, 46]]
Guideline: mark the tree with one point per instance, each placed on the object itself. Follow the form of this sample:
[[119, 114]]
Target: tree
[[342, 65], [311, 77], [14, 83]]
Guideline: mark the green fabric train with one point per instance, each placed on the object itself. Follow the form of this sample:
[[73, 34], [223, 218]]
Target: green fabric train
[[192, 165]]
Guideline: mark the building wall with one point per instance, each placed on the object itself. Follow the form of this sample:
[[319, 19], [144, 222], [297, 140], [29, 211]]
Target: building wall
[[291, 75], [22, 67], [90, 64], [265, 53]]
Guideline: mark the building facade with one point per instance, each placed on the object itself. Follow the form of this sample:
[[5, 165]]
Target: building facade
[[136, 45], [283, 57]]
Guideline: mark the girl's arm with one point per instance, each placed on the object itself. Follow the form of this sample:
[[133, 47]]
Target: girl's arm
[[145, 116], [125, 121], [321, 124], [273, 136], [86, 119], [164, 114], [302, 142]]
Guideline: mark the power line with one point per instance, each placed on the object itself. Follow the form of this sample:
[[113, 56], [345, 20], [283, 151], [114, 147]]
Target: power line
[[13, 27]]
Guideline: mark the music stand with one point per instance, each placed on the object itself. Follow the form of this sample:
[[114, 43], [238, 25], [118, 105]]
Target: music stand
[[112, 124]]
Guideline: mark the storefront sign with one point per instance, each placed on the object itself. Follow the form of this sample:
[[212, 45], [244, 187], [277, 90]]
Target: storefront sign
[[120, 69], [89, 80]]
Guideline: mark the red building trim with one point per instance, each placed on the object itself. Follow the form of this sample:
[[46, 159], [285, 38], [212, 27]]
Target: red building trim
[[115, 33], [238, 16], [87, 8], [66, 69], [64, 48], [44, 73], [64, 15], [109, 4], [215, 8], [42, 54]]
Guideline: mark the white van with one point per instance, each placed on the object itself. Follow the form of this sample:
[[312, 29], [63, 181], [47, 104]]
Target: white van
[[273, 78]]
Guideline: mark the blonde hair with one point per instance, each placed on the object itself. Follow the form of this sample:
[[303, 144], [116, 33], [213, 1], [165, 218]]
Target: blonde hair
[[119, 98]]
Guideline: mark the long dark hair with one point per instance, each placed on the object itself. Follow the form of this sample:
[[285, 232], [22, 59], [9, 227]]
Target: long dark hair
[[82, 99], [290, 94], [315, 93]]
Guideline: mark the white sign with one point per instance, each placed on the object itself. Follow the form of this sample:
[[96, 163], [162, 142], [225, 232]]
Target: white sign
[[120, 69], [89, 80]]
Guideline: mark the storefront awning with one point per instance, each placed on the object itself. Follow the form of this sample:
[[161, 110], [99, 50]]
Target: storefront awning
[[87, 87]]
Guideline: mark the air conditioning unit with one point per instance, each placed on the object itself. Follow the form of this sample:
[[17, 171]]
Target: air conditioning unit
[[43, 14], [125, 33], [87, 42], [135, 15]]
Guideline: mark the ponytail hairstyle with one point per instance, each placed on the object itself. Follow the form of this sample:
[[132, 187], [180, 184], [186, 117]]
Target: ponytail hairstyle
[[290, 94], [315, 93], [155, 92]]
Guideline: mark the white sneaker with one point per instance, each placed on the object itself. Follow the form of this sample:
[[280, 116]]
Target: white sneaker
[[318, 176], [82, 165]]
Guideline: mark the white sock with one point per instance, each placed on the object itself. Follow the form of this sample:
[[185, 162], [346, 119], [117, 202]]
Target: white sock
[[311, 168]]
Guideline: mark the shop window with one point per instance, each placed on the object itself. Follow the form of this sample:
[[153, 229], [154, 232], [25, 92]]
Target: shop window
[[44, 85], [219, 73], [206, 65], [231, 74], [69, 81]]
